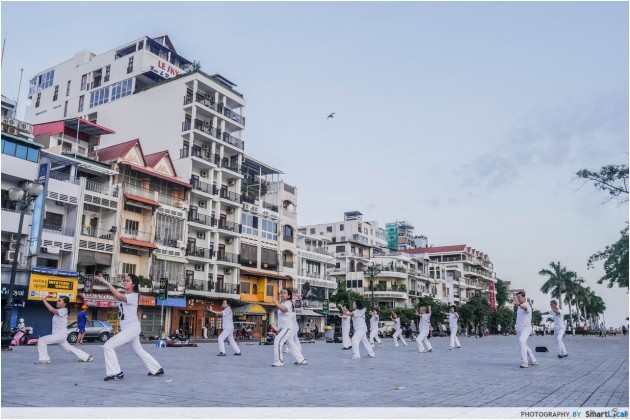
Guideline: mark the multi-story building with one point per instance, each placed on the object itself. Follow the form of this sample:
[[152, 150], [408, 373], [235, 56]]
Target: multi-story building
[[463, 271], [8, 107], [400, 235], [352, 228]]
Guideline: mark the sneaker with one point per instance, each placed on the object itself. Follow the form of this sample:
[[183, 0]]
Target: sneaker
[[89, 359], [347, 348], [565, 355], [158, 373], [396, 345], [277, 363], [355, 357], [237, 354], [560, 356], [303, 362], [115, 377], [221, 354], [372, 355], [421, 351], [459, 347], [450, 348], [524, 366], [405, 344], [42, 362], [430, 350], [534, 363]]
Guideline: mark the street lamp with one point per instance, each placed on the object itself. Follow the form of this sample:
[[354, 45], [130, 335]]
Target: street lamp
[[372, 271], [22, 196]]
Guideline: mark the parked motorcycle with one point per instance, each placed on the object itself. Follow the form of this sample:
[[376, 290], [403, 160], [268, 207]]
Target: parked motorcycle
[[22, 335]]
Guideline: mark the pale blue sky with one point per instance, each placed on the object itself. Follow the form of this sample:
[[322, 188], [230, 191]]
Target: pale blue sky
[[467, 119]]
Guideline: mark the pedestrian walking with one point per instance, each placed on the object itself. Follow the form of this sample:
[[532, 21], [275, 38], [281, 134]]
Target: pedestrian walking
[[287, 329], [524, 329], [345, 331], [374, 329], [397, 330], [81, 321], [499, 329], [360, 329], [59, 333], [130, 330], [425, 329], [453, 317], [227, 323]]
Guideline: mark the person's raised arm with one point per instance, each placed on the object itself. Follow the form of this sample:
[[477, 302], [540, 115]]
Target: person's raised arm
[[49, 306], [115, 292]]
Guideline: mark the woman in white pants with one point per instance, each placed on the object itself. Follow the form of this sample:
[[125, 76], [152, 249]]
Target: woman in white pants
[[59, 333], [397, 330], [374, 329], [130, 330], [559, 329], [228, 328], [296, 328], [287, 330], [453, 317], [360, 329], [424, 329], [345, 330]]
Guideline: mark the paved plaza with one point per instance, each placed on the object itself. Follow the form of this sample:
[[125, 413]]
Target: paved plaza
[[484, 373]]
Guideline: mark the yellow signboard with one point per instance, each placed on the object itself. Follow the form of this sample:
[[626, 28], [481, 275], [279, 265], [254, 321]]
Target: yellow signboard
[[54, 286]]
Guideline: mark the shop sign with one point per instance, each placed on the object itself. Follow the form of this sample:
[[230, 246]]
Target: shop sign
[[53, 286]]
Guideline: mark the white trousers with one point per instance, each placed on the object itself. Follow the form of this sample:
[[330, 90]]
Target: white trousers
[[61, 339], [285, 335], [396, 336], [526, 353], [374, 336], [422, 338], [345, 334], [295, 339], [229, 334], [360, 337], [130, 335], [562, 350], [454, 339]]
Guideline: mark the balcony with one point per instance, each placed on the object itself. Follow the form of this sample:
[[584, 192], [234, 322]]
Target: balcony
[[101, 188], [230, 226], [233, 115], [97, 233], [196, 284], [196, 252], [227, 257], [140, 192], [270, 206], [136, 234], [11, 221], [232, 166], [59, 176], [236, 142], [60, 230], [202, 219], [231, 196], [172, 242], [286, 238], [386, 294], [289, 214], [288, 264], [203, 186], [201, 153]]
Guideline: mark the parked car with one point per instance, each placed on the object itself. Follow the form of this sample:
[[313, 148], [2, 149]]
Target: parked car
[[94, 330], [385, 328]]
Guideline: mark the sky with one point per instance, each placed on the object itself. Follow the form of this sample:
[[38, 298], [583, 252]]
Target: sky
[[467, 120]]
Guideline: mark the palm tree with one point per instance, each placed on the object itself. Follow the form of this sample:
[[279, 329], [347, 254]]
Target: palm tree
[[581, 298], [595, 307], [560, 281], [572, 288]]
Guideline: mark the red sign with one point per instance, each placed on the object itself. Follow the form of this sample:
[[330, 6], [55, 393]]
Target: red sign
[[98, 300], [493, 302]]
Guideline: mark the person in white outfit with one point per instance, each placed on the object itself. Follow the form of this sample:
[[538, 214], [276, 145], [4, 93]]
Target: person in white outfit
[[424, 329], [397, 330], [524, 329], [453, 317], [360, 329], [345, 330], [287, 330], [296, 328], [228, 328], [130, 330], [59, 333], [559, 328], [374, 329]]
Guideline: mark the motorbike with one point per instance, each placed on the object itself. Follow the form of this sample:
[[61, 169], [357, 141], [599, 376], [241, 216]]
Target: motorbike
[[268, 339], [23, 337]]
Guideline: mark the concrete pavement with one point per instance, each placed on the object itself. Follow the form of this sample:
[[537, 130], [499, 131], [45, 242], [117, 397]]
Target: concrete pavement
[[484, 373]]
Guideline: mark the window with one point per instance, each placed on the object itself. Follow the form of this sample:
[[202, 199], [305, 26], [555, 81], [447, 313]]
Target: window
[[39, 96], [249, 224], [329, 229], [81, 99], [68, 89], [341, 227], [121, 89], [106, 78], [340, 248], [269, 230], [41, 82], [56, 94], [245, 287], [130, 65], [270, 290], [65, 109], [99, 97], [312, 267], [129, 268], [134, 209], [84, 82], [312, 231], [20, 151], [53, 219], [132, 227]]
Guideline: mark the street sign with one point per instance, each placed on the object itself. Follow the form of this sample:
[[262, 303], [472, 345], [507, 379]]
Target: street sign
[[163, 292], [325, 306]]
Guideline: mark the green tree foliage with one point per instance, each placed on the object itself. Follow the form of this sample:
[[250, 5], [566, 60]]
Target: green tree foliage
[[345, 297], [536, 317], [615, 259], [503, 316], [501, 293], [475, 312]]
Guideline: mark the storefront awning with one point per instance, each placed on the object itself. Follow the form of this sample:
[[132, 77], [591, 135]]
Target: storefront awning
[[143, 200], [250, 309], [135, 242], [88, 258], [261, 273], [171, 258], [99, 300], [305, 312], [173, 302]]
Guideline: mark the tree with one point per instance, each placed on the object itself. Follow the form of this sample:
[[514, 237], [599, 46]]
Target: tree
[[615, 258], [503, 316], [560, 281], [612, 179], [196, 65], [502, 293], [475, 312]]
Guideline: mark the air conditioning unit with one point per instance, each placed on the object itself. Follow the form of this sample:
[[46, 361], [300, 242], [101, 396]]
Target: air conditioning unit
[[255, 209], [11, 255], [206, 123], [230, 210], [204, 146], [181, 244], [202, 204], [274, 216], [13, 246], [265, 213], [204, 174], [247, 206], [14, 238], [227, 271], [182, 204], [201, 235], [231, 182], [198, 267], [208, 154], [229, 240], [60, 203]]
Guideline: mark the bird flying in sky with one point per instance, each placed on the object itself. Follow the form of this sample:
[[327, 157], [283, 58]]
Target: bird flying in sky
[[332, 114]]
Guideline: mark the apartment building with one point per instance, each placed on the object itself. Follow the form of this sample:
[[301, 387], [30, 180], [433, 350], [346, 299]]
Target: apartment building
[[400, 235], [352, 228], [463, 271]]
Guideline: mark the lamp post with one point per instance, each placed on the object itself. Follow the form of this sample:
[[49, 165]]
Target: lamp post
[[372, 271], [22, 196]]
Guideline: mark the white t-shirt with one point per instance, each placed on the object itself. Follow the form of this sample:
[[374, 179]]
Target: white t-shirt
[[60, 322], [359, 319], [397, 324], [228, 323], [425, 322], [345, 322], [128, 311], [524, 318], [285, 319], [558, 322], [452, 320], [374, 323]]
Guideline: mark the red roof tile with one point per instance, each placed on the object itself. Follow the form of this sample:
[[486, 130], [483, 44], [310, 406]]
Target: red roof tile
[[117, 150], [143, 200], [160, 175], [152, 159], [138, 243]]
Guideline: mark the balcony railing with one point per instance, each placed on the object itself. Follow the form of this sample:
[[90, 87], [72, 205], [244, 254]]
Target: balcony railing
[[139, 191], [288, 264], [229, 195], [172, 242], [201, 219], [270, 206], [289, 188], [290, 214], [226, 288], [200, 252], [205, 154], [234, 116], [198, 284], [204, 186], [230, 226], [101, 188], [286, 238], [136, 234], [97, 233], [319, 250], [63, 177], [232, 166], [59, 230], [227, 257], [205, 127], [233, 141]]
